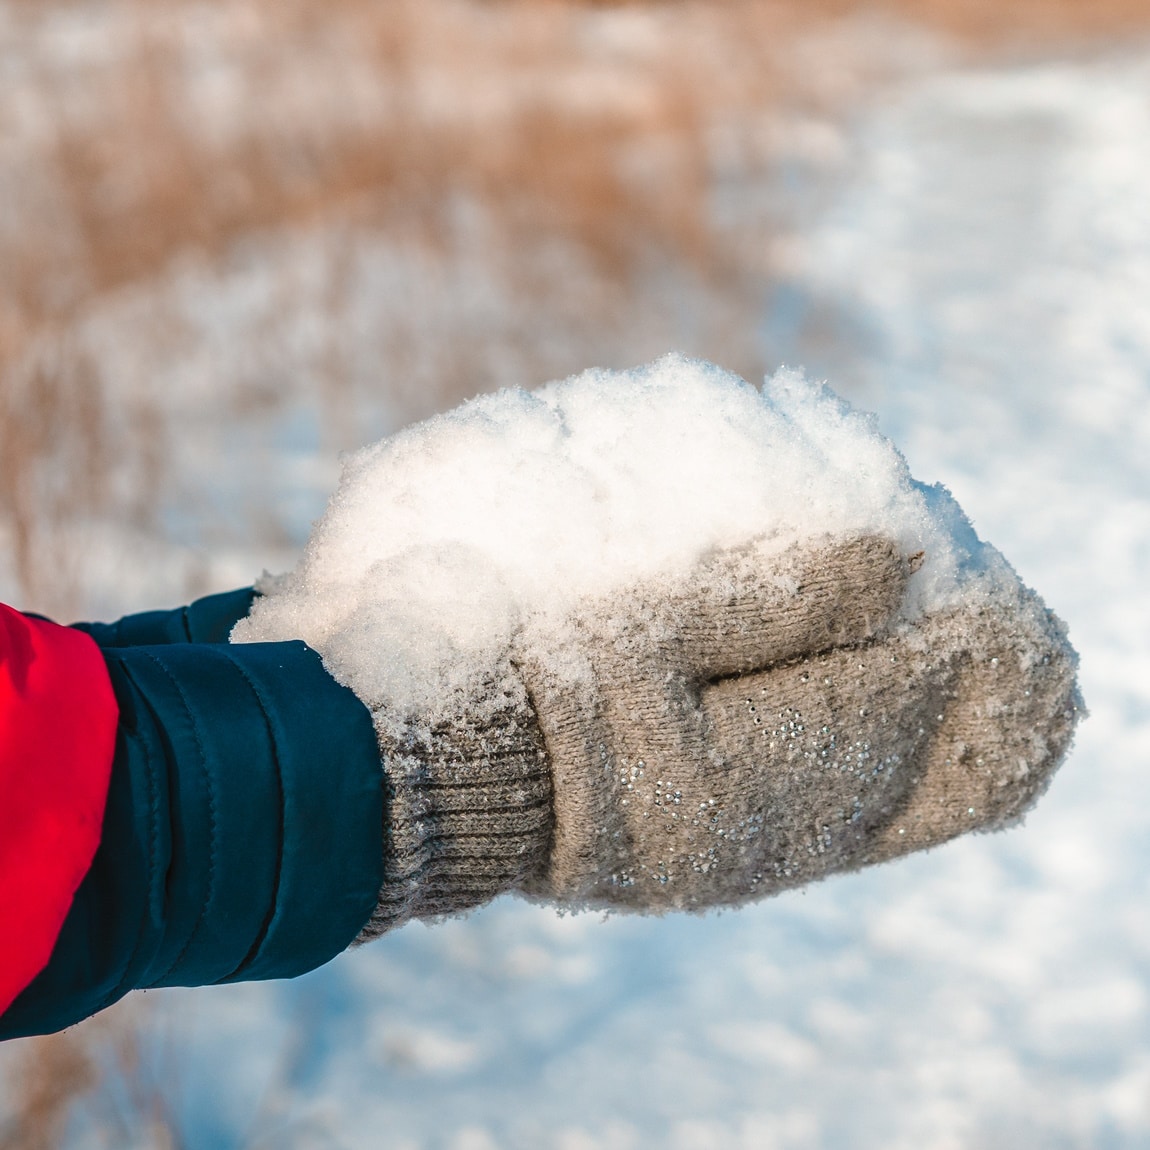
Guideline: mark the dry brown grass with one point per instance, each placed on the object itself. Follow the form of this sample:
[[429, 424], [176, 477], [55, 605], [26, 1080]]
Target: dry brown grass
[[104, 1066], [54, 1074], [1037, 24], [599, 145]]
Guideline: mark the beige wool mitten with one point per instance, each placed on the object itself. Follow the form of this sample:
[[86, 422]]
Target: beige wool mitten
[[752, 726]]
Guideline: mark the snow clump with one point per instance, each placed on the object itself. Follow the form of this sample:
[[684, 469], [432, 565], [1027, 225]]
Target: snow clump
[[442, 541]]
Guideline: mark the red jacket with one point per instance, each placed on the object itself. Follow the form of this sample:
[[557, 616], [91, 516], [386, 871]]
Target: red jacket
[[57, 736]]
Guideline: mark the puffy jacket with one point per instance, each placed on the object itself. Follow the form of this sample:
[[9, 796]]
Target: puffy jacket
[[174, 810]]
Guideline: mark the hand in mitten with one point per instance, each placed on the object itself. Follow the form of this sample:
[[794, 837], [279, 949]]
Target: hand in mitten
[[757, 724]]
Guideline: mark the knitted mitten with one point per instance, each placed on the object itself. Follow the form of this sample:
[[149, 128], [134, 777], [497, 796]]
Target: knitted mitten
[[753, 727]]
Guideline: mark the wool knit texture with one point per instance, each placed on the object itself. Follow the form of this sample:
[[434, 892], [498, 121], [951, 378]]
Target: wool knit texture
[[751, 728], [467, 812]]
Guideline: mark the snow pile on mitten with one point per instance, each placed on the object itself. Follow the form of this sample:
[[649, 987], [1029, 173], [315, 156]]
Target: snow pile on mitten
[[443, 540]]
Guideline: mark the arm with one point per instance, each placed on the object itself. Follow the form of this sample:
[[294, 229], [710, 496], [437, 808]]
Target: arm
[[762, 721], [241, 834]]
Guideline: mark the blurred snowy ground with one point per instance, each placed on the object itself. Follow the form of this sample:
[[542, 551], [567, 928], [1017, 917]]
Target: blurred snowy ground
[[986, 271]]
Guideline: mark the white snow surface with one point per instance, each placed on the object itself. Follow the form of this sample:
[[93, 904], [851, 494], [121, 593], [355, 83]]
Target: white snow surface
[[443, 539]]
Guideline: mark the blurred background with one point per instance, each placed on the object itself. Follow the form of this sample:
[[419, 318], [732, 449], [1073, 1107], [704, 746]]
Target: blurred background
[[238, 238]]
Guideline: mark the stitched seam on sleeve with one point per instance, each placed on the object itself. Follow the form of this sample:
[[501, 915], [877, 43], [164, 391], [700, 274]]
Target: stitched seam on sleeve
[[153, 849], [212, 828], [265, 712]]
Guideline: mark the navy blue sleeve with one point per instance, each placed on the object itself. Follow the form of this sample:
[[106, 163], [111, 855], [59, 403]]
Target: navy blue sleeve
[[207, 620], [242, 837]]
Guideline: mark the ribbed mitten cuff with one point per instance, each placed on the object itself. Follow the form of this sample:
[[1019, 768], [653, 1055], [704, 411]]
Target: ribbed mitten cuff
[[467, 815]]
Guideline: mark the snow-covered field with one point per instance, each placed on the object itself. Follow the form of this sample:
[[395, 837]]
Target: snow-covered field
[[986, 262]]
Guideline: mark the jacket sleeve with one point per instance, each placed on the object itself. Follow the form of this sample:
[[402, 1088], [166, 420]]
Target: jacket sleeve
[[242, 837], [57, 729], [207, 620]]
